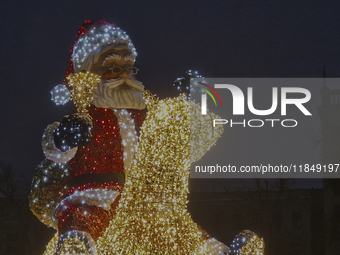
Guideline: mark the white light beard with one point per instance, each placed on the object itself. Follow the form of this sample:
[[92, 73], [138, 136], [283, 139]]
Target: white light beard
[[108, 94]]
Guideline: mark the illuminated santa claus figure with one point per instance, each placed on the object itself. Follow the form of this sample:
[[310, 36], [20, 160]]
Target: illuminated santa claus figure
[[77, 187]]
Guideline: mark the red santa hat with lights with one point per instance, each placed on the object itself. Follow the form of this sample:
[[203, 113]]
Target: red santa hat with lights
[[92, 39]]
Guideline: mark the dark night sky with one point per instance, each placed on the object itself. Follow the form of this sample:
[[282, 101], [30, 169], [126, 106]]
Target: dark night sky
[[233, 38]]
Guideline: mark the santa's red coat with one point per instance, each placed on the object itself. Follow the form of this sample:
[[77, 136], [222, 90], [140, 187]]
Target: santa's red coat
[[97, 166]]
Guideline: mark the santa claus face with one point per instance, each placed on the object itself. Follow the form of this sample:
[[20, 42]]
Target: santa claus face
[[118, 88]]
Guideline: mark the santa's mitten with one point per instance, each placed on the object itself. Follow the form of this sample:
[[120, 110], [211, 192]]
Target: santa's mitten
[[74, 131]]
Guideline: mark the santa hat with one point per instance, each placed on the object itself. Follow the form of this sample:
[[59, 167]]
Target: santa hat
[[93, 38]]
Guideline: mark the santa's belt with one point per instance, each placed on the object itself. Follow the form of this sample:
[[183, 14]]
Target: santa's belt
[[82, 179]]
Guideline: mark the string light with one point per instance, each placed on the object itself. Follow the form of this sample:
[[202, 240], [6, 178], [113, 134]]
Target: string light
[[82, 88], [152, 216], [52, 245], [182, 84], [98, 36], [49, 148], [60, 94], [75, 130], [216, 248], [98, 197], [50, 184], [107, 152], [128, 134], [103, 155], [76, 243], [247, 243]]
